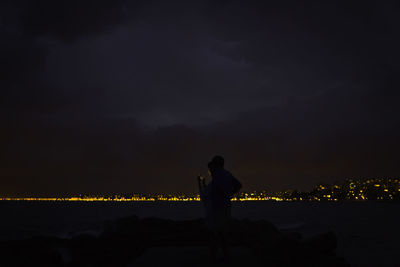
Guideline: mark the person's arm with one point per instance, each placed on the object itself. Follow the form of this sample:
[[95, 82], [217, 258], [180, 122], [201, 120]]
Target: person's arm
[[201, 181], [202, 187]]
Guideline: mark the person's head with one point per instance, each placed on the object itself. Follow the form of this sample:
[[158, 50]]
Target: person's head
[[216, 163]]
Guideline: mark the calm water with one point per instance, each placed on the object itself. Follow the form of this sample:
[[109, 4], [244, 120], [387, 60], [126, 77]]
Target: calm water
[[366, 231]]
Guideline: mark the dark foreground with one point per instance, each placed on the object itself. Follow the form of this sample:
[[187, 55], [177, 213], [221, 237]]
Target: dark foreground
[[125, 241]]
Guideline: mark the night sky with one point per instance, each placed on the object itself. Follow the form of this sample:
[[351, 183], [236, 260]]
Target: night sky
[[137, 96]]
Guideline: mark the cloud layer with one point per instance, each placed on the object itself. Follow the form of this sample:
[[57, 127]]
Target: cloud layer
[[124, 96]]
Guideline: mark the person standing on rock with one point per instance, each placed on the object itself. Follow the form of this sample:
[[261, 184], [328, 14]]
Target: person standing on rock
[[216, 197]]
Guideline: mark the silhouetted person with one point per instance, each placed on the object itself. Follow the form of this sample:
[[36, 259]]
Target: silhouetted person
[[217, 201]]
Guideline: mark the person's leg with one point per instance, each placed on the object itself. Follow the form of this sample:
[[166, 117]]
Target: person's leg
[[220, 246], [213, 245], [223, 246], [218, 241], [223, 234]]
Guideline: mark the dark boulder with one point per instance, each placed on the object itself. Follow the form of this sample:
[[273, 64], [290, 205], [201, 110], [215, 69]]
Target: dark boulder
[[325, 242], [127, 238]]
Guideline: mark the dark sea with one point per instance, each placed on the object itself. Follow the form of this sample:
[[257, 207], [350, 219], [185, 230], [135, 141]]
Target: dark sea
[[367, 231]]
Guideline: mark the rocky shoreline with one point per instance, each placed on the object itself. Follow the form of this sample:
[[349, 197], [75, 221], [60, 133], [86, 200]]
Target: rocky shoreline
[[127, 238]]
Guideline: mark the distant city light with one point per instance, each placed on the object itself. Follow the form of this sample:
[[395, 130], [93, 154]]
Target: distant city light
[[349, 190]]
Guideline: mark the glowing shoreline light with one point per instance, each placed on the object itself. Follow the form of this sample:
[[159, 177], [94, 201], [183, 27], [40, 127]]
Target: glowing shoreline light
[[100, 199], [349, 190]]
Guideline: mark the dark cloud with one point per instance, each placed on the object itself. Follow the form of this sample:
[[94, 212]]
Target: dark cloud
[[69, 20], [118, 96], [120, 156], [29, 28]]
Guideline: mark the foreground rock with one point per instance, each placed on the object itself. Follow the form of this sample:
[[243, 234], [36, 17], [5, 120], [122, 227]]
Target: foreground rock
[[126, 239], [193, 257]]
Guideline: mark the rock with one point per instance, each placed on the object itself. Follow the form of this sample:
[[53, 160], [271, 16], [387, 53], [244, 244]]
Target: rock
[[105, 251], [128, 238], [39, 251], [325, 242]]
